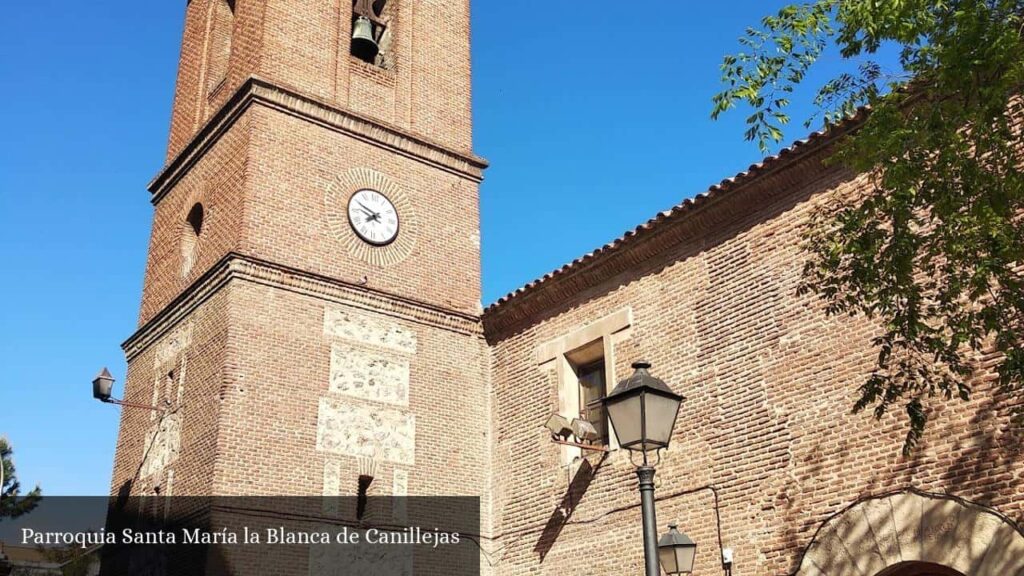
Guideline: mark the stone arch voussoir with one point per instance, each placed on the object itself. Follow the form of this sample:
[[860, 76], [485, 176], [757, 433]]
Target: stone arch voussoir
[[878, 533]]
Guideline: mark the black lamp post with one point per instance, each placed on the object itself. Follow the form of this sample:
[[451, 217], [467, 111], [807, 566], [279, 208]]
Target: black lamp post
[[643, 412]]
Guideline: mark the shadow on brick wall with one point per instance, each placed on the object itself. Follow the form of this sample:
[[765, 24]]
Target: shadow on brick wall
[[563, 512]]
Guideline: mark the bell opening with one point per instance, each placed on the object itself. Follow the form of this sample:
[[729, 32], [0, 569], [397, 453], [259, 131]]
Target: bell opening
[[364, 46]]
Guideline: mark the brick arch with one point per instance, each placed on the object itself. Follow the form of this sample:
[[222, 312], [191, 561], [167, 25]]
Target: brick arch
[[919, 569], [887, 535]]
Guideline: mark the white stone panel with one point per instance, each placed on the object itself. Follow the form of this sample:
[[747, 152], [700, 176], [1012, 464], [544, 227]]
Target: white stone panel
[[400, 486], [912, 527], [373, 377], [356, 327], [352, 430], [163, 443]]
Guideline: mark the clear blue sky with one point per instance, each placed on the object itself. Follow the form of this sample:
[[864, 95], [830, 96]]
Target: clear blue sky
[[594, 118]]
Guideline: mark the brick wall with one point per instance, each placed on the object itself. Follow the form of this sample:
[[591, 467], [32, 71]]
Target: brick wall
[[217, 181], [195, 348], [281, 365], [770, 382], [304, 45], [296, 211]]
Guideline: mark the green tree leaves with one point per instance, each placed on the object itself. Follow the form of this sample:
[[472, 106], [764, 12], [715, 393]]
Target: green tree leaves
[[12, 502], [774, 60], [933, 249]]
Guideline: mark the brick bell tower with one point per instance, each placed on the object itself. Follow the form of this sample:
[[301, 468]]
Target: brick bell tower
[[311, 308]]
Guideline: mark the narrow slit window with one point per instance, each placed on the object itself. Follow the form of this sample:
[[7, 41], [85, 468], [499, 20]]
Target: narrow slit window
[[222, 27]]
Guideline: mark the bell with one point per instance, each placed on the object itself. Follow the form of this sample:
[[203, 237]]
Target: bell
[[364, 46]]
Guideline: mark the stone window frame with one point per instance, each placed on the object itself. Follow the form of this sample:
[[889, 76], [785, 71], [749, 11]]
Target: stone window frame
[[588, 343]]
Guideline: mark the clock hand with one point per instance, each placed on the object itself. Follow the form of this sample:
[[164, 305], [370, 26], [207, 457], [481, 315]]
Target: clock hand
[[370, 216], [374, 216], [363, 206]]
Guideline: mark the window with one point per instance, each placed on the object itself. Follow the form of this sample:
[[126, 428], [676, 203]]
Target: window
[[195, 219], [192, 228], [582, 365], [592, 390], [588, 363], [170, 385]]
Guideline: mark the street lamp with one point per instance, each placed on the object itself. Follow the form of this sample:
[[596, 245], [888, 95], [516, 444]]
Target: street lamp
[[643, 412], [676, 552], [103, 387]]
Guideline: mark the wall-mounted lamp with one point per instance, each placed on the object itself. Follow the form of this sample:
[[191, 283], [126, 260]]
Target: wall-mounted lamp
[[584, 432], [103, 387], [559, 426]]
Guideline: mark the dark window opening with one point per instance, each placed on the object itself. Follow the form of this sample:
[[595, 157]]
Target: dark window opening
[[195, 219], [362, 495], [592, 390], [169, 388]]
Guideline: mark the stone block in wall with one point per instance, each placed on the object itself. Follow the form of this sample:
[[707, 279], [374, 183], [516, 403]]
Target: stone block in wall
[[370, 330], [907, 512], [369, 376], [360, 559], [878, 515], [172, 345], [361, 431], [163, 444]]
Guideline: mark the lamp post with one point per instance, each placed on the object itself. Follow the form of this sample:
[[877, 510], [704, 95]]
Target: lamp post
[[643, 411]]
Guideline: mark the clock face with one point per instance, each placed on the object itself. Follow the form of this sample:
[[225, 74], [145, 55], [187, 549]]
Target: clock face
[[373, 217]]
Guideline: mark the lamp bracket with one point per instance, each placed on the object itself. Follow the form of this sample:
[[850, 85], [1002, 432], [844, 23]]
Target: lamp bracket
[[125, 404], [644, 461], [591, 447]]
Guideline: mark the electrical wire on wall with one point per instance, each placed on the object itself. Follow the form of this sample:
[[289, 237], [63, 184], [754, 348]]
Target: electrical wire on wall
[[726, 565]]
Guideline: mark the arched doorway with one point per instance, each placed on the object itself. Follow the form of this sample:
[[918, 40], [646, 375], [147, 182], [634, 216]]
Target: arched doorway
[[913, 533], [919, 569]]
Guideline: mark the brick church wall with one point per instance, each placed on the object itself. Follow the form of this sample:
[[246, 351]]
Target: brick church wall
[[303, 45], [770, 382], [174, 451], [217, 181], [296, 212], [325, 368]]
